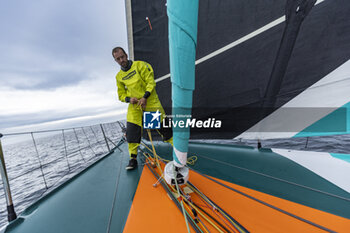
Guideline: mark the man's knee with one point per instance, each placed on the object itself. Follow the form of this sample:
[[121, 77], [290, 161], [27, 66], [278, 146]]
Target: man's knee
[[133, 133]]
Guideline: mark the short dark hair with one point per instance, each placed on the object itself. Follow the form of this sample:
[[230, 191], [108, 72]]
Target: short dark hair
[[116, 50]]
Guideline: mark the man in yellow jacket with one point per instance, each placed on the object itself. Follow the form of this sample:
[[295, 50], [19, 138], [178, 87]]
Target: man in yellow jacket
[[136, 86]]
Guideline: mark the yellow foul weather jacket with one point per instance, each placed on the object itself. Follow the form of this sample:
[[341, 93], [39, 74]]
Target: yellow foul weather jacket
[[135, 82]]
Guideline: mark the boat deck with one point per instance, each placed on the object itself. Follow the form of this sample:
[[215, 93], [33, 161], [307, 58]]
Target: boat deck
[[101, 198]]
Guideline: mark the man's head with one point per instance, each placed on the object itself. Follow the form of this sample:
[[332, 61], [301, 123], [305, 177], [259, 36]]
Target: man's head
[[120, 56]]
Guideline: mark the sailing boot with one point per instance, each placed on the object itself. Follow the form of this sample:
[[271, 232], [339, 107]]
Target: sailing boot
[[132, 163]]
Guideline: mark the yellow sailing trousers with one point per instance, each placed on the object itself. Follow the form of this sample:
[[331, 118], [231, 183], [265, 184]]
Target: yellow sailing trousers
[[135, 125]]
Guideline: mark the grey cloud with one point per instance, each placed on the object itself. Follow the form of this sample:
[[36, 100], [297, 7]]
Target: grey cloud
[[50, 44], [15, 120], [37, 80]]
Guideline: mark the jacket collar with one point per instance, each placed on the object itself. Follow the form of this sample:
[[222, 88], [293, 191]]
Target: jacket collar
[[128, 66]]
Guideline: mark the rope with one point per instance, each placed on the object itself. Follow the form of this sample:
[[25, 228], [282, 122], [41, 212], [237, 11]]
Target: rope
[[177, 189], [182, 204], [167, 189], [185, 214], [111, 141], [206, 200], [76, 137], [65, 148], [88, 141], [183, 197], [190, 160], [266, 204], [98, 142], [41, 167], [251, 197], [154, 151]]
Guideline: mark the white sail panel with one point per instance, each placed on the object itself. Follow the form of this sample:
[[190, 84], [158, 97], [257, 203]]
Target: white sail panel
[[323, 164], [318, 101]]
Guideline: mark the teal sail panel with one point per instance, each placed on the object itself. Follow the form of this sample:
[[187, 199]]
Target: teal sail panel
[[337, 122]]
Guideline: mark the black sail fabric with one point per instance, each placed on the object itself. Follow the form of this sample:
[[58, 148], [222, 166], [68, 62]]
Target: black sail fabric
[[232, 85]]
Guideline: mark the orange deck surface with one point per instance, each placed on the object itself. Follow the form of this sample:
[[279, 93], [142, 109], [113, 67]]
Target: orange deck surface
[[153, 211]]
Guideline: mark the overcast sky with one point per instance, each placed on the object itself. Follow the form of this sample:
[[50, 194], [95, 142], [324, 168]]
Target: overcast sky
[[56, 66]]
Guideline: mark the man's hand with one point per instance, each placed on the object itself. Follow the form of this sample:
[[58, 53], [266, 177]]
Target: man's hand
[[134, 100], [142, 102]]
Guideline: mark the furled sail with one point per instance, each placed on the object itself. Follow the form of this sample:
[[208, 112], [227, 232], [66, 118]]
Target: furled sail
[[183, 17]]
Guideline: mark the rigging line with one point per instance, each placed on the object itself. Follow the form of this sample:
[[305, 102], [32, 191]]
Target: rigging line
[[189, 203], [177, 187], [115, 196], [88, 141], [196, 218], [65, 148], [265, 203], [222, 226], [172, 197], [190, 160], [228, 217], [182, 204], [208, 220], [111, 141], [237, 42], [76, 137], [98, 142], [279, 179], [170, 193], [154, 151], [41, 167]]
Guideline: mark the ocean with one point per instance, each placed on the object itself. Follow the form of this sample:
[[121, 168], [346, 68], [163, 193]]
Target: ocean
[[37, 167]]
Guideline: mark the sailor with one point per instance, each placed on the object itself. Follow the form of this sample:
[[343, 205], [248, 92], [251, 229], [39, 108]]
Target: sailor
[[136, 86]]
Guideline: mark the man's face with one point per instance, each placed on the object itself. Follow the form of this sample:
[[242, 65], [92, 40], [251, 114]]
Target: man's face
[[121, 58]]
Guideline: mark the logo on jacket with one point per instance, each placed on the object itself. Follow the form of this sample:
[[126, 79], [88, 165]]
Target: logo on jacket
[[151, 120], [129, 76]]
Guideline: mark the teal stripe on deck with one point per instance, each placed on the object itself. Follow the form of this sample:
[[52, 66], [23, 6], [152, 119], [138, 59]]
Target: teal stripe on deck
[[84, 204]]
